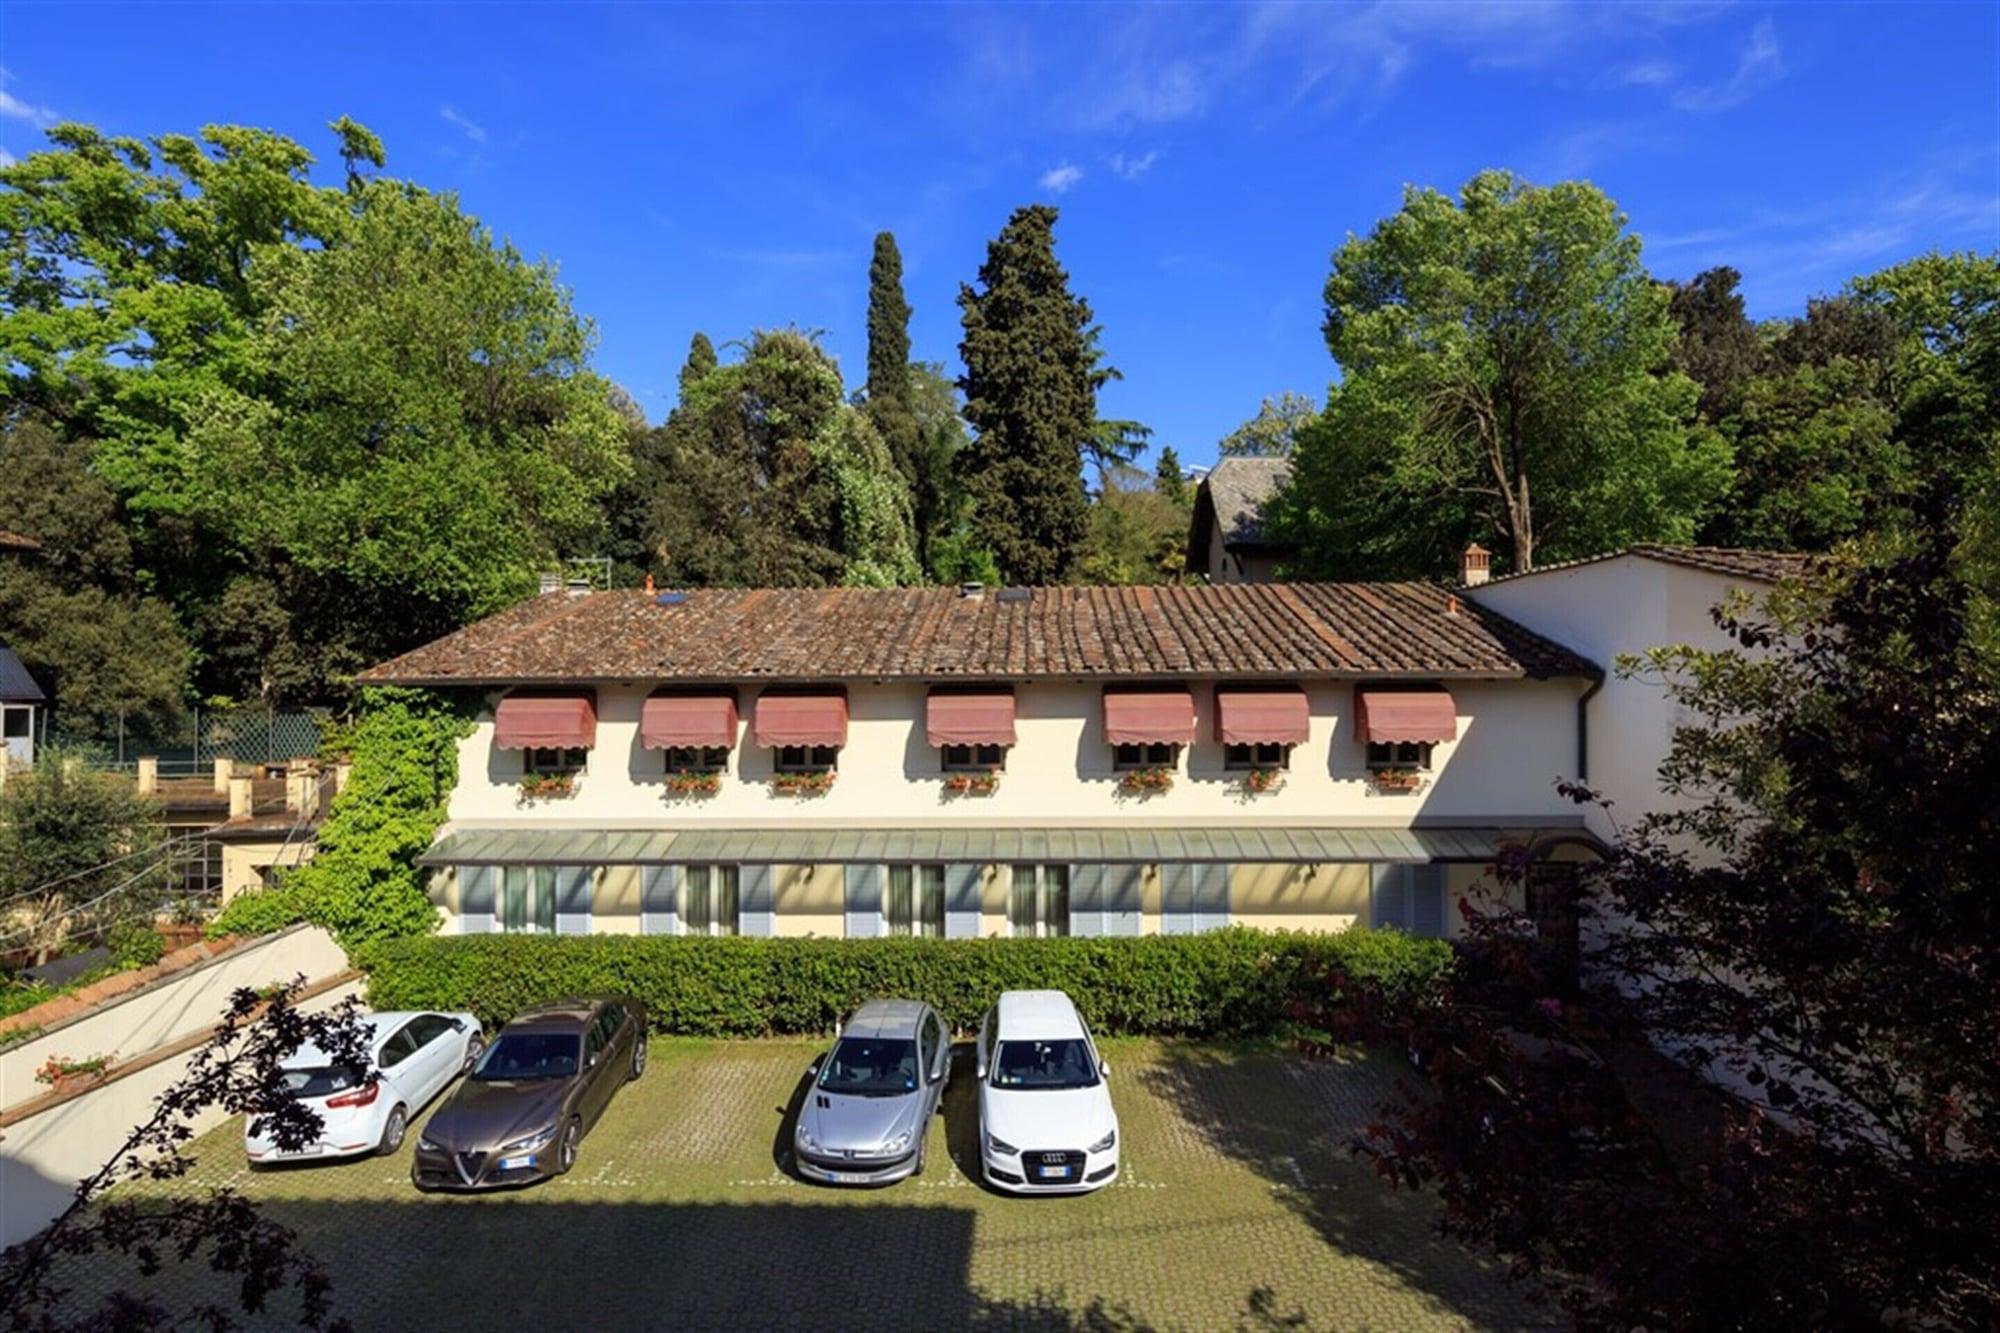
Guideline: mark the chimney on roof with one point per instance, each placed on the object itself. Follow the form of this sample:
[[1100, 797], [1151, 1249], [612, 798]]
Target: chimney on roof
[[972, 591], [1475, 566]]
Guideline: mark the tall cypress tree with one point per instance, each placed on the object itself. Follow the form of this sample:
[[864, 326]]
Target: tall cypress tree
[[888, 325], [701, 360], [1030, 393]]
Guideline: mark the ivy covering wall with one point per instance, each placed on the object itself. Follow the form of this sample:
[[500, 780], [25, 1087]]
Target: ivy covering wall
[[363, 883]]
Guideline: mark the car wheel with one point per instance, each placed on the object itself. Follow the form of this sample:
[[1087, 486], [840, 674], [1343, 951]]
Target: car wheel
[[639, 1057], [473, 1050], [392, 1132], [566, 1152]]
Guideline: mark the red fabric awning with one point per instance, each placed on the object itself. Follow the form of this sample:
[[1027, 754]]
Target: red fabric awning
[[1405, 715], [670, 721], [968, 718], [801, 719], [1248, 716], [1153, 716], [546, 722]]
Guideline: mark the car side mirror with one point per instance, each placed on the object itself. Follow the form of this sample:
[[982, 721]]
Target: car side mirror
[[812, 1070], [1105, 1069], [591, 1063], [458, 1025], [980, 1069]]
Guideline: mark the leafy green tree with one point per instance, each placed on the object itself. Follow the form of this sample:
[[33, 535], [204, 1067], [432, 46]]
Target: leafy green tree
[[1501, 379], [1718, 347], [1030, 395], [700, 360], [766, 475], [77, 848], [1169, 480], [299, 385], [1138, 531], [1274, 431]]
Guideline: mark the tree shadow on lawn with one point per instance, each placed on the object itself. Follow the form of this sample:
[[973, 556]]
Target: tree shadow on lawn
[[445, 1263], [1293, 1121]]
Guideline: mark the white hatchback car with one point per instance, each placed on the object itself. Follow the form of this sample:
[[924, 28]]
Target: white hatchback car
[[413, 1056], [1045, 1120]]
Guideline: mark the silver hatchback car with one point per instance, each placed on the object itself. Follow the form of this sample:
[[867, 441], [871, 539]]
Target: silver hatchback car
[[867, 1115]]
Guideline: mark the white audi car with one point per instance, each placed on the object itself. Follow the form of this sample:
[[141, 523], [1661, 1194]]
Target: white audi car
[[412, 1056], [1045, 1120]]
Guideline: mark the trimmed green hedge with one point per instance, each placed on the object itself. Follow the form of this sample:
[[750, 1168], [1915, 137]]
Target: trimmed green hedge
[[1234, 982]]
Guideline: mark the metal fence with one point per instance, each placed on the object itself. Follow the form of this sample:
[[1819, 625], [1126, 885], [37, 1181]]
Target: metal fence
[[250, 734]]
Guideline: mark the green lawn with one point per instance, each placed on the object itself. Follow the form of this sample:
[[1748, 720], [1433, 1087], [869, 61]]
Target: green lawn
[[1239, 1206]]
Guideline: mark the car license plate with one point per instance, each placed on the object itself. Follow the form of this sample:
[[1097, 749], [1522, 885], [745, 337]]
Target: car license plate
[[1052, 1172], [509, 1163], [847, 1178]]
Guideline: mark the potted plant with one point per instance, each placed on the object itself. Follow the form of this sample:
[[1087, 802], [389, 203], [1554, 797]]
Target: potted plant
[[544, 786], [1147, 781], [1260, 780], [1396, 779], [972, 784], [817, 783], [694, 782], [66, 1075]]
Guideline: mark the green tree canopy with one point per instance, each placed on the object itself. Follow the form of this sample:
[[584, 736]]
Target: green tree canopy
[[1504, 377], [352, 398], [766, 475], [1274, 431], [1030, 394]]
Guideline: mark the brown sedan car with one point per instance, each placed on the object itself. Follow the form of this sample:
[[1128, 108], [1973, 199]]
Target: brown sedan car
[[524, 1108]]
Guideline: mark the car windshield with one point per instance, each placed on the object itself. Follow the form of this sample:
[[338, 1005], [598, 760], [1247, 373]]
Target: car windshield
[[871, 1067], [319, 1081], [1044, 1064], [524, 1055]]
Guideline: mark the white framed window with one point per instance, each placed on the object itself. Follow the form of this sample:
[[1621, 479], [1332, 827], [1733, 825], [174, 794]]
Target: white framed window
[[528, 900], [709, 900], [16, 721], [1243, 758], [973, 758], [554, 761], [807, 758], [1131, 756], [697, 758], [1038, 901], [914, 901], [1400, 754]]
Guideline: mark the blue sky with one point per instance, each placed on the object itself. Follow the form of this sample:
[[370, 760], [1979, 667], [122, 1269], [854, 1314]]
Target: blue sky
[[725, 168]]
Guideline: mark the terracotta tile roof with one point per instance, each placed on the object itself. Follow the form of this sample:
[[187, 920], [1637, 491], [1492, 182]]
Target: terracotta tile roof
[[799, 634], [1731, 561]]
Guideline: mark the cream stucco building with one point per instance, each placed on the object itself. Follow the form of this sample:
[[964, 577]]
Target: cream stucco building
[[852, 762]]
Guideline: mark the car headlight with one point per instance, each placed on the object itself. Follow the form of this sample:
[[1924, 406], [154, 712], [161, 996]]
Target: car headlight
[[1106, 1143], [530, 1142], [806, 1140], [424, 1142], [897, 1144], [1000, 1145]]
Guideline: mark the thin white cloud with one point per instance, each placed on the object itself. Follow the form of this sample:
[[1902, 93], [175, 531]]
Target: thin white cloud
[[1760, 66], [14, 108], [7, 159], [453, 116], [1132, 168], [1648, 74], [1059, 179]]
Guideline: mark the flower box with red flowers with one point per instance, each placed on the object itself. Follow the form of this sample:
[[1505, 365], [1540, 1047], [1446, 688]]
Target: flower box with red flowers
[[971, 784], [1396, 779], [701, 782], [1260, 780], [802, 784], [547, 786], [1147, 781]]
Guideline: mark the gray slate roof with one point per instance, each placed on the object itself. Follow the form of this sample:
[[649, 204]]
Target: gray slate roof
[[16, 685], [1235, 492]]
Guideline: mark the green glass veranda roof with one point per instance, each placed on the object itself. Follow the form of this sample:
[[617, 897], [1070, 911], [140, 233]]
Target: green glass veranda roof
[[981, 845]]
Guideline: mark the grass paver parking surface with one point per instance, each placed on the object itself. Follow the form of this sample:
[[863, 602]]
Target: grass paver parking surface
[[1239, 1207]]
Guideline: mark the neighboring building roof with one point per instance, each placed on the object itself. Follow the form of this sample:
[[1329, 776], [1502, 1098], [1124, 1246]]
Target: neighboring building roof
[[14, 541], [16, 685], [1236, 844], [1232, 498], [1285, 631], [1731, 561]]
